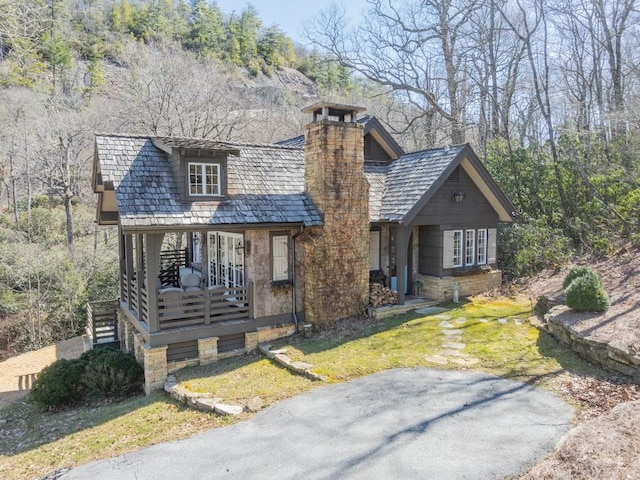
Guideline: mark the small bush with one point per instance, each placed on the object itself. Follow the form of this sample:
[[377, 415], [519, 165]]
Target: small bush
[[59, 384], [585, 294], [111, 373], [579, 271]]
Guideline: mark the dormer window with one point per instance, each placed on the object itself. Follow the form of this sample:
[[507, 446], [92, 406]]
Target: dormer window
[[204, 179]]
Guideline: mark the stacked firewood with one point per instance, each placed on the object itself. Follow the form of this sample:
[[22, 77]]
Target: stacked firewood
[[379, 295]]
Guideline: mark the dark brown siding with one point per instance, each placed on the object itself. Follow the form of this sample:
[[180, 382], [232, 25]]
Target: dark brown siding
[[226, 343], [430, 256], [178, 172], [442, 210], [373, 152], [182, 351]]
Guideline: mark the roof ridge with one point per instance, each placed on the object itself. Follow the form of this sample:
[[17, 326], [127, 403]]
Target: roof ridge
[[432, 149], [265, 145], [122, 135]]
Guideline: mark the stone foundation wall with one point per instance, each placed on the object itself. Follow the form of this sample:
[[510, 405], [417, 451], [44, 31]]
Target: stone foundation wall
[[437, 288], [613, 357], [156, 367], [337, 254], [268, 334]]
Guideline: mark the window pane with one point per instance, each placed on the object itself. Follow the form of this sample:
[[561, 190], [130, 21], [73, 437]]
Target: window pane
[[195, 182], [212, 180], [280, 252], [457, 248], [470, 250], [204, 179], [482, 247]]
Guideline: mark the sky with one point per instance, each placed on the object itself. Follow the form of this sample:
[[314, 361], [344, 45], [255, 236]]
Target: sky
[[290, 14]]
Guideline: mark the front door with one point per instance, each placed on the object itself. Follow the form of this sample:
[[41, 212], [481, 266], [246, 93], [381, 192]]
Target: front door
[[226, 259]]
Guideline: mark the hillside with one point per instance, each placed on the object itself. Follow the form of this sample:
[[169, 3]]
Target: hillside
[[605, 444], [620, 275]]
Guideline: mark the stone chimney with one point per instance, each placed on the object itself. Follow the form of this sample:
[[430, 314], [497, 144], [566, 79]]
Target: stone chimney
[[337, 254]]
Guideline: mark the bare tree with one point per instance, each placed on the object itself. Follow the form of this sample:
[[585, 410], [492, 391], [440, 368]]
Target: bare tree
[[497, 73], [20, 108], [529, 22], [419, 50], [171, 92], [64, 152]]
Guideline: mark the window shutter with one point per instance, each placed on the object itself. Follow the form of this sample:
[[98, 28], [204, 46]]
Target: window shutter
[[447, 250], [280, 258], [374, 250], [492, 233]]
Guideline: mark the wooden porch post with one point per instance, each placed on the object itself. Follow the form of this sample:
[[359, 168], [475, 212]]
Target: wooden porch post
[[139, 274], [128, 267], [402, 243], [153, 245]]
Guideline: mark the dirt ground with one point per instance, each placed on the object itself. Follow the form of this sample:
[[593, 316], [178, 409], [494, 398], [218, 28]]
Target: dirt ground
[[17, 373], [605, 444], [620, 275]]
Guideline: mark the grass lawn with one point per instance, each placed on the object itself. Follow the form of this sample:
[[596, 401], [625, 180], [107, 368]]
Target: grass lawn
[[34, 443]]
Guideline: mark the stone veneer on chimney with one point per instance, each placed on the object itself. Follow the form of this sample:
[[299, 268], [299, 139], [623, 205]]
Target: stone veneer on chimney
[[336, 271]]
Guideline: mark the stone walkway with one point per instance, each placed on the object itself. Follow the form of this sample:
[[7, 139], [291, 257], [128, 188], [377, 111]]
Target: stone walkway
[[453, 345]]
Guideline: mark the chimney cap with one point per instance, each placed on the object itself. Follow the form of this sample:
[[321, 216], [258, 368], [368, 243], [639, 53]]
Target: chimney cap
[[324, 110]]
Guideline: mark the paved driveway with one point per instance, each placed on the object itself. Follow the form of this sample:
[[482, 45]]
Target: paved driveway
[[398, 424]]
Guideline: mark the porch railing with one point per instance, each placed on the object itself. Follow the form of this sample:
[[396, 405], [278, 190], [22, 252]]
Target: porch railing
[[102, 322], [170, 263], [184, 309]]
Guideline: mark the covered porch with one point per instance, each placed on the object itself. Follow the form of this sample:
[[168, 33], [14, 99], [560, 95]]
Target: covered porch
[[180, 294]]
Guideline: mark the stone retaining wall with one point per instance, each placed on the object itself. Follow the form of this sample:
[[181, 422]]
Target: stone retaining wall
[[618, 358]]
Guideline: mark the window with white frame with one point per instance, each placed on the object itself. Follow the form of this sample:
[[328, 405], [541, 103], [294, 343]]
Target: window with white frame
[[204, 179], [470, 247], [482, 246], [374, 250], [452, 251], [226, 259], [280, 258]]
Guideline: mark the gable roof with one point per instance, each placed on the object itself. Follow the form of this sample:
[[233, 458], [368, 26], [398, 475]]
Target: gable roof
[[415, 177], [372, 126], [265, 184]]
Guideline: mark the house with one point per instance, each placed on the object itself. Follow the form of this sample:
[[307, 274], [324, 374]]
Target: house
[[281, 234]]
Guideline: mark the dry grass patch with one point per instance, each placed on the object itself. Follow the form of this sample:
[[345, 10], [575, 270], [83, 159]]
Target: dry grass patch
[[34, 443], [237, 380]]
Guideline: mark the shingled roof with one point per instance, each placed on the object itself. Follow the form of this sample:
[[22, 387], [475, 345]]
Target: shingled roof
[[411, 176], [265, 184]]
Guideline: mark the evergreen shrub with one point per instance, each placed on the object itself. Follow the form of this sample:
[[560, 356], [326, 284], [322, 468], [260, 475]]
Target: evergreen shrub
[[576, 272], [585, 294], [111, 373], [101, 373], [59, 384]]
